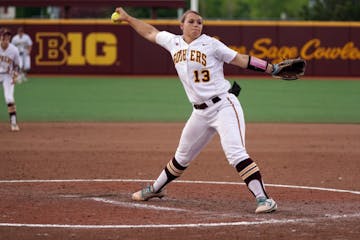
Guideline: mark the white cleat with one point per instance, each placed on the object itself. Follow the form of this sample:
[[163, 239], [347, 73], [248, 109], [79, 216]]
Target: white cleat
[[146, 194], [265, 205], [14, 128]]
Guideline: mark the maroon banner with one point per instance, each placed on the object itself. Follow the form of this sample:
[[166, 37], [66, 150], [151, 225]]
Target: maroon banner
[[99, 47]]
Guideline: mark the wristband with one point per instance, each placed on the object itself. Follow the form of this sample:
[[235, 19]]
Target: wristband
[[257, 64]]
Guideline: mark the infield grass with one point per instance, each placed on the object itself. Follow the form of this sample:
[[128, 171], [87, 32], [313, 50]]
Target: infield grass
[[163, 99]]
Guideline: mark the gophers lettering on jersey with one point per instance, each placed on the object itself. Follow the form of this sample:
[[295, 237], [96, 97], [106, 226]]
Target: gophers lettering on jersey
[[195, 56], [9, 59], [6, 59]]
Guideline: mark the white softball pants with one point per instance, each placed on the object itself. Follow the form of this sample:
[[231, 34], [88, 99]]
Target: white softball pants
[[8, 88], [25, 62], [227, 119]]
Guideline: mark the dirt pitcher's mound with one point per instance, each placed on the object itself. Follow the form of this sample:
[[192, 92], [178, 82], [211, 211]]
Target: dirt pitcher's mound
[[83, 175]]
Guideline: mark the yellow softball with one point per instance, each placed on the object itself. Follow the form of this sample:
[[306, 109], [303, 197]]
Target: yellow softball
[[115, 17]]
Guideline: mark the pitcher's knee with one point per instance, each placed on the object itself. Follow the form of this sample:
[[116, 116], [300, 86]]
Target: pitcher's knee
[[9, 100], [235, 158]]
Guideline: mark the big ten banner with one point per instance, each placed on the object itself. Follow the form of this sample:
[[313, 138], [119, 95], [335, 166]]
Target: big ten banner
[[77, 47], [81, 49], [99, 47]]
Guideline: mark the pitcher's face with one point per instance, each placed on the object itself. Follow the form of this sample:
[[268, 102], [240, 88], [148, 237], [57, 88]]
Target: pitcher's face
[[192, 26]]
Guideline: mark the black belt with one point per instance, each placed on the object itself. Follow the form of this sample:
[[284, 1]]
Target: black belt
[[204, 105]]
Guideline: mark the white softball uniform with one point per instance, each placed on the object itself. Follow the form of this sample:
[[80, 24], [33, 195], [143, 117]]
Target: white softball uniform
[[200, 69], [23, 43], [9, 58]]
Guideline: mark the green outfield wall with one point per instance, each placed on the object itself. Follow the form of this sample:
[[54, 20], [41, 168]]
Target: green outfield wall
[[100, 47]]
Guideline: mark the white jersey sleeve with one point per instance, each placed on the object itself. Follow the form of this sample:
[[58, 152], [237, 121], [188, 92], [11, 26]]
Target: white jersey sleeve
[[223, 52], [163, 38]]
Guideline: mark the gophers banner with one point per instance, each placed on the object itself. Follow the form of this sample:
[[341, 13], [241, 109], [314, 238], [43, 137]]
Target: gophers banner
[[100, 47]]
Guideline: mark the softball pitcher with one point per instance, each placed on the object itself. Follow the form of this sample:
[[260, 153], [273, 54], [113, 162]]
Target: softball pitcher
[[199, 61], [9, 67]]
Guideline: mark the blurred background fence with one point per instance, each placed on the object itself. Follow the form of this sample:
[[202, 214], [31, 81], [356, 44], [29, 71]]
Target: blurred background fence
[[99, 47], [325, 33]]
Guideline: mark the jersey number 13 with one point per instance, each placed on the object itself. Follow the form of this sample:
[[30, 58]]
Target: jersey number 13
[[202, 76]]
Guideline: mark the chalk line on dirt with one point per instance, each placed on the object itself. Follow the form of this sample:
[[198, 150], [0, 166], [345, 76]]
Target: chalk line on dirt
[[186, 225], [178, 181], [138, 205]]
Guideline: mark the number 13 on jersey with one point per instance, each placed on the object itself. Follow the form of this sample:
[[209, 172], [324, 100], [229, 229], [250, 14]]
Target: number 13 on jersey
[[201, 76]]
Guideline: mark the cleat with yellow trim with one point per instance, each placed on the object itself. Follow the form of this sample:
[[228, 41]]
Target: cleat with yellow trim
[[265, 205], [147, 193]]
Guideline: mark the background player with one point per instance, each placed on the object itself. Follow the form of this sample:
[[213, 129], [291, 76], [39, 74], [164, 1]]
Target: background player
[[199, 61], [9, 67], [24, 44]]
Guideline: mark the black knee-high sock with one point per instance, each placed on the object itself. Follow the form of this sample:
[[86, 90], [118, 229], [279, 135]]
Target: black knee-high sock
[[250, 173], [12, 112], [172, 171]]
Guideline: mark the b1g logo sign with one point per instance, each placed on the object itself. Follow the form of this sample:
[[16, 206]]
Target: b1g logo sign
[[76, 49]]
